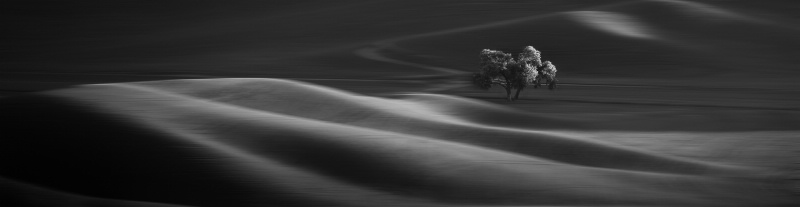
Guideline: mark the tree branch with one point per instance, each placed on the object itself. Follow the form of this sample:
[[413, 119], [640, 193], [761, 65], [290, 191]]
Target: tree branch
[[500, 83]]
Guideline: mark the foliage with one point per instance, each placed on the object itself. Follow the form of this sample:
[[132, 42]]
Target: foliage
[[530, 55], [499, 68], [549, 70]]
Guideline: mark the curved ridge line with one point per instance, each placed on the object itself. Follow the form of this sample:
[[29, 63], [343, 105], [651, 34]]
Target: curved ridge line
[[303, 119], [468, 144], [276, 166], [373, 52]]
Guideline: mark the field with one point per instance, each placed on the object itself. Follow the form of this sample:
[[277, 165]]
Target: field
[[369, 103]]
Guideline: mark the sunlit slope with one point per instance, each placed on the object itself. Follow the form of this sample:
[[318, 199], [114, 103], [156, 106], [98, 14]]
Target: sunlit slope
[[665, 42], [251, 142]]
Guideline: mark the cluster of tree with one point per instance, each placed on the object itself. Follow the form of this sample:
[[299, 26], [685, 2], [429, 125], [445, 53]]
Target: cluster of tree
[[499, 68]]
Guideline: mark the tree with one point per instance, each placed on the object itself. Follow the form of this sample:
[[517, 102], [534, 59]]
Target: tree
[[494, 71], [499, 68], [547, 73]]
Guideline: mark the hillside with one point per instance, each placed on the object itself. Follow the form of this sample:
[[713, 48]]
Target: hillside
[[252, 142]]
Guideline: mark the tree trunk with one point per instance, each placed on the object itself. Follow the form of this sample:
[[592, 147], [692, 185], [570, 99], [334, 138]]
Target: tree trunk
[[516, 96], [508, 93], [552, 84], [507, 87]]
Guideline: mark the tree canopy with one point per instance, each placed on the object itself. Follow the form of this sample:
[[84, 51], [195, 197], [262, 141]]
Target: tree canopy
[[499, 68]]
